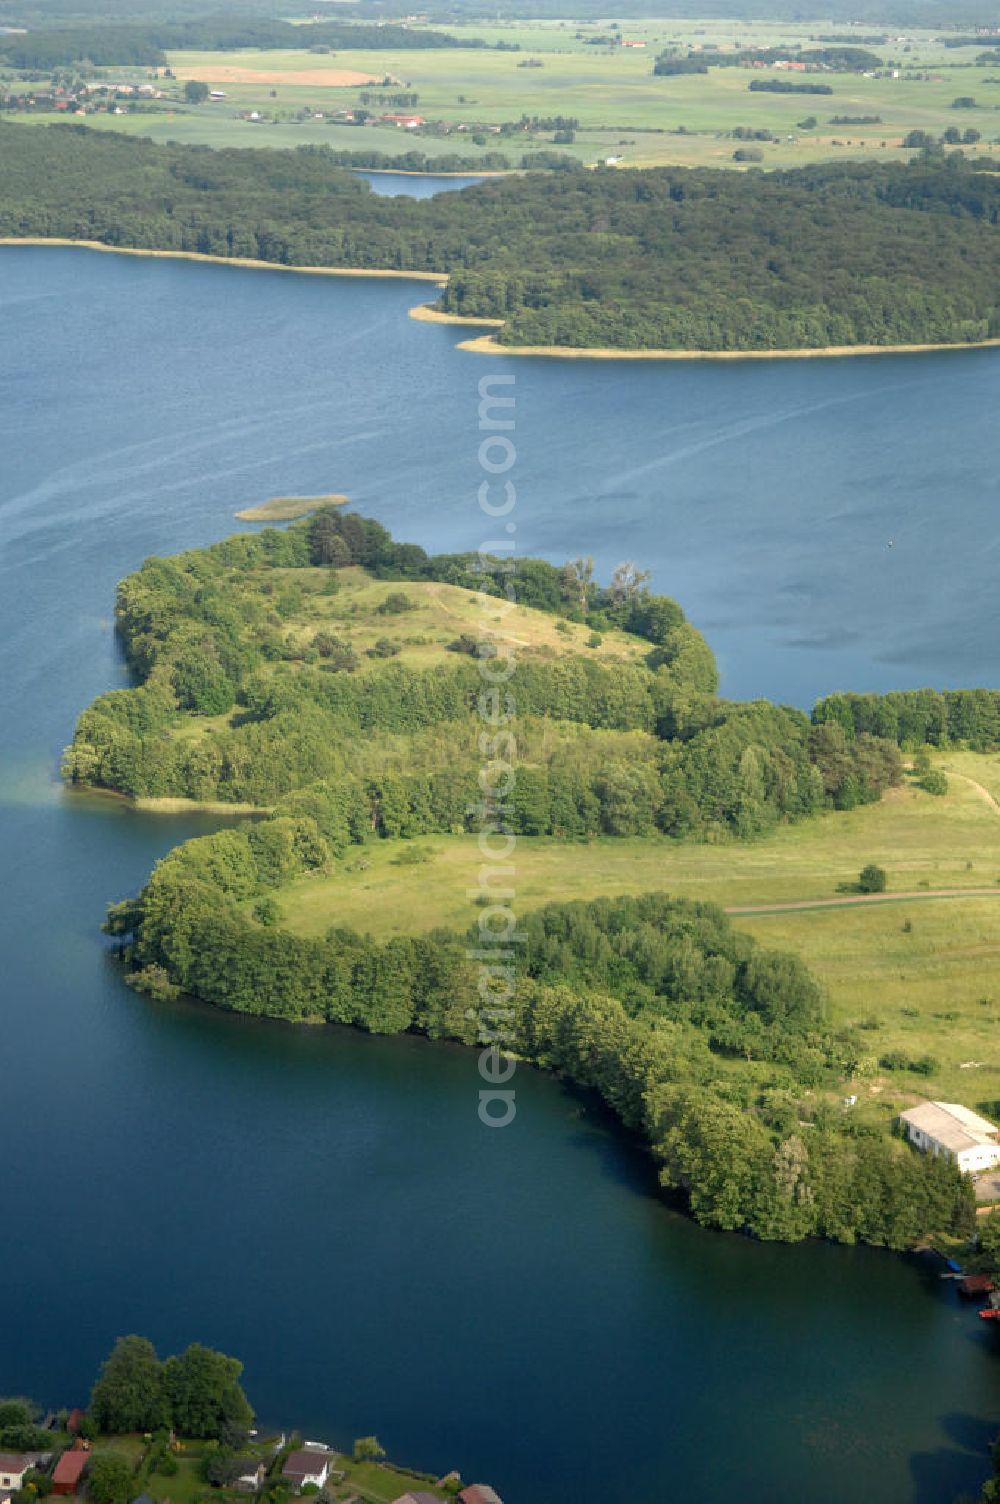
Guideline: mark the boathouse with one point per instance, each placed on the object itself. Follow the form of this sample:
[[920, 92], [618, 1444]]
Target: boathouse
[[69, 1471]]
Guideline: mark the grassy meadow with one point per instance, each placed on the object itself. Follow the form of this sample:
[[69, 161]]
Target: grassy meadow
[[920, 975], [623, 110], [438, 614]]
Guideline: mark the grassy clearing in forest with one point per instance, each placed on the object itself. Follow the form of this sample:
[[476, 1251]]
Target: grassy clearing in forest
[[921, 976], [439, 614]]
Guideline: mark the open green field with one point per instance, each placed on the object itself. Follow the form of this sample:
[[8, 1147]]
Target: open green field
[[932, 988], [923, 841], [623, 110], [438, 614]]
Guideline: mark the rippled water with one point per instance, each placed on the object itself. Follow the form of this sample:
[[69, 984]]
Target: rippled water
[[517, 1304]]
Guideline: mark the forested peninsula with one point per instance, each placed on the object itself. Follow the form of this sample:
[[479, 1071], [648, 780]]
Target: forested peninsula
[[832, 256], [332, 674]]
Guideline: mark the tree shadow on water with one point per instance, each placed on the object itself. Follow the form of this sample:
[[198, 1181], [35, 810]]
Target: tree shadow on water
[[955, 1473]]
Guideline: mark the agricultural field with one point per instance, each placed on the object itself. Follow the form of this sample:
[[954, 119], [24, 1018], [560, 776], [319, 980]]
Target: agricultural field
[[623, 111], [919, 975]]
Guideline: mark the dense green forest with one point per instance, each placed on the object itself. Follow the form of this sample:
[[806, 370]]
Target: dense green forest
[[667, 258], [147, 43], [918, 717]]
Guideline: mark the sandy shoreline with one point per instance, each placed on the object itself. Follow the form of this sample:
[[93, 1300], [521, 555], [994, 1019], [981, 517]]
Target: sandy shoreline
[[438, 278], [486, 344], [166, 805], [179, 806], [424, 313]]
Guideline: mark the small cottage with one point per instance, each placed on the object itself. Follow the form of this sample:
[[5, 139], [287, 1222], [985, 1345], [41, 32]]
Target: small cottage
[[306, 1466], [251, 1475], [12, 1471]]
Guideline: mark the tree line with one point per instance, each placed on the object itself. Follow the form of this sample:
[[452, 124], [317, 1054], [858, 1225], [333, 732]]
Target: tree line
[[914, 718], [146, 43], [834, 254], [709, 1046]]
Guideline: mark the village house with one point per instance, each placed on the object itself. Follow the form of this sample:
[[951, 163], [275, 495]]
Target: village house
[[403, 122], [960, 1135], [420, 1497], [12, 1471], [307, 1465], [251, 1475], [479, 1493], [69, 1470]]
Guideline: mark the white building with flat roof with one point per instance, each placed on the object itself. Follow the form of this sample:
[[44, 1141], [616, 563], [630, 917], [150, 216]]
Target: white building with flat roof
[[962, 1136]]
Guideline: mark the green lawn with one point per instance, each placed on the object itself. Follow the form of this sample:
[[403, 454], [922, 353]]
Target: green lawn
[[379, 1484]]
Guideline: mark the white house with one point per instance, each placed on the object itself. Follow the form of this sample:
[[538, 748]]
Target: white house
[[963, 1137], [12, 1471], [308, 1465]]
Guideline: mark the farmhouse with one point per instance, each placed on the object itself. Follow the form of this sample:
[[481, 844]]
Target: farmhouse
[[69, 1470], [962, 1136], [12, 1471], [308, 1465]]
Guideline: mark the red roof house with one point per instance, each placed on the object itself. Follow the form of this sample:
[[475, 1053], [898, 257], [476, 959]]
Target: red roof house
[[69, 1470]]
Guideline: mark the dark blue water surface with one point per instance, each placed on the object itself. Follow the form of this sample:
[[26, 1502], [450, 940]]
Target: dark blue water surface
[[517, 1304]]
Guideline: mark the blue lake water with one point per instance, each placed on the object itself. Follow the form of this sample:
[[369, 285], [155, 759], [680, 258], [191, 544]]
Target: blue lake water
[[415, 184], [516, 1304]]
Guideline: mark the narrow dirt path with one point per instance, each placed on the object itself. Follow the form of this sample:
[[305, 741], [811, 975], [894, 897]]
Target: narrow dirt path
[[983, 793], [853, 899]]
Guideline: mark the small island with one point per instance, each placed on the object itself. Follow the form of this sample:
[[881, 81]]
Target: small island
[[288, 508]]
